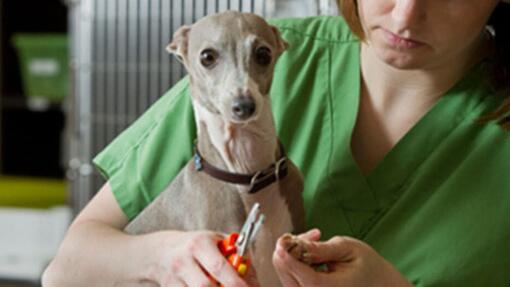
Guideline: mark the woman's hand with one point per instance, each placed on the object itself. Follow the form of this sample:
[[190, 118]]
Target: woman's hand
[[186, 259], [349, 262], [96, 252]]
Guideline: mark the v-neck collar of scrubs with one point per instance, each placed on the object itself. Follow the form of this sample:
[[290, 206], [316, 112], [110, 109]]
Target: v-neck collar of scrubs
[[366, 197], [389, 177]]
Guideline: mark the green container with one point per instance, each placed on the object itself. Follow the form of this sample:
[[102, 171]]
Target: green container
[[44, 65]]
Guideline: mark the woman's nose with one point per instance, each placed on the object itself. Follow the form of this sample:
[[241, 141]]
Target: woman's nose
[[408, 12]]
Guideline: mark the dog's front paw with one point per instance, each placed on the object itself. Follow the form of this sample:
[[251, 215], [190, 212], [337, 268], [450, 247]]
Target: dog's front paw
[[296, 247]]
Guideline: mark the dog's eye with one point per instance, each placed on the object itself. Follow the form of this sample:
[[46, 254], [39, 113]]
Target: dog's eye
[[263, 56], [208, 57]]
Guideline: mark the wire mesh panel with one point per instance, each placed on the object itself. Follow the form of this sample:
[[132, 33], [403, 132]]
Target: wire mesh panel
[[120, 67]]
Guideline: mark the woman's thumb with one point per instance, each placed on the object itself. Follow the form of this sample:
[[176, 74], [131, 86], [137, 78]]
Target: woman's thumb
[[312, 235], [337, 249]]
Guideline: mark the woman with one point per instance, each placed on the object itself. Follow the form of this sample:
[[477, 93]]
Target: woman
[[412, 54], [402, 179]]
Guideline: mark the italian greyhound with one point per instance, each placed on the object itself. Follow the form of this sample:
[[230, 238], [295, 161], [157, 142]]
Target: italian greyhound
[[239, 161]]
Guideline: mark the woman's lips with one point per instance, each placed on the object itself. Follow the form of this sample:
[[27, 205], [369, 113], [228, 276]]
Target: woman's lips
[[401, 42]]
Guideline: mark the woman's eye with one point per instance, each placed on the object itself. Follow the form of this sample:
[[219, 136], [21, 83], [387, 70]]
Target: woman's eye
[[208, 58], [263, 56]]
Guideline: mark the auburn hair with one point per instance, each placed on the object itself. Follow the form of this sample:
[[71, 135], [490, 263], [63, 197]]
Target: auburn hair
[[500, 73]]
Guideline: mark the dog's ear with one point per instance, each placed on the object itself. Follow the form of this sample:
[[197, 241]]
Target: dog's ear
[[179, 44], [281, 44]]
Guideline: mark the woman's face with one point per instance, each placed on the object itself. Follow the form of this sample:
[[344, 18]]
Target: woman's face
[[421, 34]]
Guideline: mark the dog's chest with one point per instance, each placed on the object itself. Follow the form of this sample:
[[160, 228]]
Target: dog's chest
[[195, 201], [278, 221]]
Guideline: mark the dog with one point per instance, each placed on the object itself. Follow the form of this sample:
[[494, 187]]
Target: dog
[[230, 59]]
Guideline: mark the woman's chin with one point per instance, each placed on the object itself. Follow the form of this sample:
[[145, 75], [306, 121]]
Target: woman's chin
[[402, 61]]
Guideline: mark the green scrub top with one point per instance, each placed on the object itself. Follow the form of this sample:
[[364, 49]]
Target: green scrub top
[[437, 206]]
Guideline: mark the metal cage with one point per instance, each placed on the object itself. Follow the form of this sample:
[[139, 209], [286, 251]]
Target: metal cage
[[120, 67]]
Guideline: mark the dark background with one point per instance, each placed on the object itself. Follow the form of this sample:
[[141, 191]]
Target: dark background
[[31, 141]]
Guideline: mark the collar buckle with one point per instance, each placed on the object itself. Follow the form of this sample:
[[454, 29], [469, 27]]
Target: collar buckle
[[270, 175]]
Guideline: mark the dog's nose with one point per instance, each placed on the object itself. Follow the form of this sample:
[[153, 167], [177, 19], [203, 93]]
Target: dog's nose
[[243, 107]]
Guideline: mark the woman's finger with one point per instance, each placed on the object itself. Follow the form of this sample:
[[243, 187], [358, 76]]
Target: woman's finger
[[280, 266], [210, 258], [337, 249], [298, 271], [194, 275], [176, 283]]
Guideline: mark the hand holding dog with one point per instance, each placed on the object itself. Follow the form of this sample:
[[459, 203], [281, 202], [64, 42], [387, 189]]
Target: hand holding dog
[[185, 257], [350, 263]]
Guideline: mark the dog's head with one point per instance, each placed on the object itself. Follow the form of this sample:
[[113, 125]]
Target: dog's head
[[230, 58]]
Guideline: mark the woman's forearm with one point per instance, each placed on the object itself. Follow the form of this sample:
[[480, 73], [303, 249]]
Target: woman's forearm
[[95, 254]]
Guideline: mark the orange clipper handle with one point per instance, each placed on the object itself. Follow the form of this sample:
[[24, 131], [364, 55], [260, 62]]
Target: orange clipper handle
[[228, 245], [239, 263], [228, 248]]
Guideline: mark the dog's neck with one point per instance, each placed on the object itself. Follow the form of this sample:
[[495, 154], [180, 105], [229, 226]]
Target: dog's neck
[[237, 148]]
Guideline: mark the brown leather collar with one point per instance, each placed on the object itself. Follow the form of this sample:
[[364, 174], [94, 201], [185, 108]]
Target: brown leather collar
[[256, 181]]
